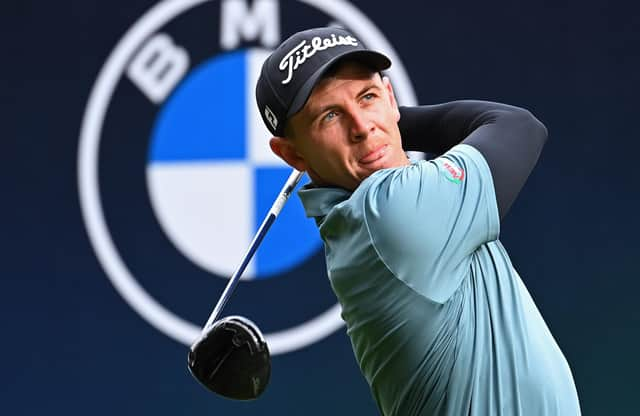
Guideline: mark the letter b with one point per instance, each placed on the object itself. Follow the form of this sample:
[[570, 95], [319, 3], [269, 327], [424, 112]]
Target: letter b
[[158, 67]]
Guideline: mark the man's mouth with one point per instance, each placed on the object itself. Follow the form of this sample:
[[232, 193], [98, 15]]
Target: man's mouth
[[374, 155]]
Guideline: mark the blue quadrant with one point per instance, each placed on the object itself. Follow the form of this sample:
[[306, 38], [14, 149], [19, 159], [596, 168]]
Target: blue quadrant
[[204, 118], [293, 237]]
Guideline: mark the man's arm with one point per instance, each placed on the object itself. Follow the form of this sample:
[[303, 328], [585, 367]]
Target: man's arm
[[509, 138]]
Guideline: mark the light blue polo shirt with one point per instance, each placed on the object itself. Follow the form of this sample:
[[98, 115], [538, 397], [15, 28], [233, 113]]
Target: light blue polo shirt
[[439, 319]]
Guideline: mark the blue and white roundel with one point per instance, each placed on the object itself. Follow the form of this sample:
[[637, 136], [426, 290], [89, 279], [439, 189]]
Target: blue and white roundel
[[212, 177]]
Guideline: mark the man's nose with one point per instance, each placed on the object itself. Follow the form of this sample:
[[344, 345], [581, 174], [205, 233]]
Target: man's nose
[[361, 125]]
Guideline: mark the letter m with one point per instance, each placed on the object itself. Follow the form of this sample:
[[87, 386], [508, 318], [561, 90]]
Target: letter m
[[239, 22]]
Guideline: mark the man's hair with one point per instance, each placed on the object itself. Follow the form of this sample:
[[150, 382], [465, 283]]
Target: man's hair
[[288, 129]]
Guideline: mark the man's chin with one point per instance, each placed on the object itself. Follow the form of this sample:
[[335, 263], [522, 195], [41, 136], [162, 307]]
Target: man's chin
[[369, 168]]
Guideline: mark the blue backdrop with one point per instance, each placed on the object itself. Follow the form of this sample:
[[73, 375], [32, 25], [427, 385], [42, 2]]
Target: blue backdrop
[[72, 345]]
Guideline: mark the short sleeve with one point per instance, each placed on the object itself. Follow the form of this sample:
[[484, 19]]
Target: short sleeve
[[426, 220]]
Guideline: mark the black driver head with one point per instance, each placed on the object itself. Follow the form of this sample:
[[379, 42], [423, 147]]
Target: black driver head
[[232, 359]]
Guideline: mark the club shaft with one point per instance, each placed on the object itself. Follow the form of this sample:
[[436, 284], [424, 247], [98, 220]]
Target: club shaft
[[282, 198]]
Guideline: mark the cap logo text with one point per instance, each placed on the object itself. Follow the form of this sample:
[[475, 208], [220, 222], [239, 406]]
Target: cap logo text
[[271, 117], [303, 51]]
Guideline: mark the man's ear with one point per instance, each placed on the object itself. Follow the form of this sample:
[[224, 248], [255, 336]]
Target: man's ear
[[392, 97], [285, 149]]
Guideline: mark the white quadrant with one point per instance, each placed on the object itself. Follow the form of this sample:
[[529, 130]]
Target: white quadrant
[[206, 209], [258, 136]]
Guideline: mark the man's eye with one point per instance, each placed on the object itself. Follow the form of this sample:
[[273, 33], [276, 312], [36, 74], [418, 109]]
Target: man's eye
[[330, 116], [368, 97]]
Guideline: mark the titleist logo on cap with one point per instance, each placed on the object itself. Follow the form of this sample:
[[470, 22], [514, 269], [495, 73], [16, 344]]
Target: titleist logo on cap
[[304, 51]]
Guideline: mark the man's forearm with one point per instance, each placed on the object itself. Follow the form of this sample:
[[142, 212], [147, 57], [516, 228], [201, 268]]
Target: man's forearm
[[437, 128], [510, 138]]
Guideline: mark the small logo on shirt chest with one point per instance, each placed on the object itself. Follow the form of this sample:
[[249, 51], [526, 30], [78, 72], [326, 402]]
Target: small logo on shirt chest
[[453, 173]]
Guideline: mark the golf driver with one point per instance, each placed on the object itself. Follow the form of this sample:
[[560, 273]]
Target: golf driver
[[231, 357]]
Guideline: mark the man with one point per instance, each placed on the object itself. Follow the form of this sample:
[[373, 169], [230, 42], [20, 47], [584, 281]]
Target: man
[[439, 320]]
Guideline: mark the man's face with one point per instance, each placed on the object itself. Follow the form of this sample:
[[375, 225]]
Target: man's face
[[347, 130]]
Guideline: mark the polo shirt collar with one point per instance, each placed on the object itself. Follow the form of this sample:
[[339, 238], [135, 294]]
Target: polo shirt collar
[[318, 201]]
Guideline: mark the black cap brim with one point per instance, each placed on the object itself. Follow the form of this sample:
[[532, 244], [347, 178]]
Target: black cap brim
[[374, 60]]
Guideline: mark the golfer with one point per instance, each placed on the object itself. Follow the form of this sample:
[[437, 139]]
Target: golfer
[[439, 319]]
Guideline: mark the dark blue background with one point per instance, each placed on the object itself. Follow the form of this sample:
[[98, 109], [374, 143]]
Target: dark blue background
[[71, 345]]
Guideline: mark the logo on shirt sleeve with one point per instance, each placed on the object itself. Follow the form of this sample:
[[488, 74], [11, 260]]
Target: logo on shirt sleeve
[[453, 173]]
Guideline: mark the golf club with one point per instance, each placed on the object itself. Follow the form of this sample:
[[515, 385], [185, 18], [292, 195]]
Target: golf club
[[231, 357]]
